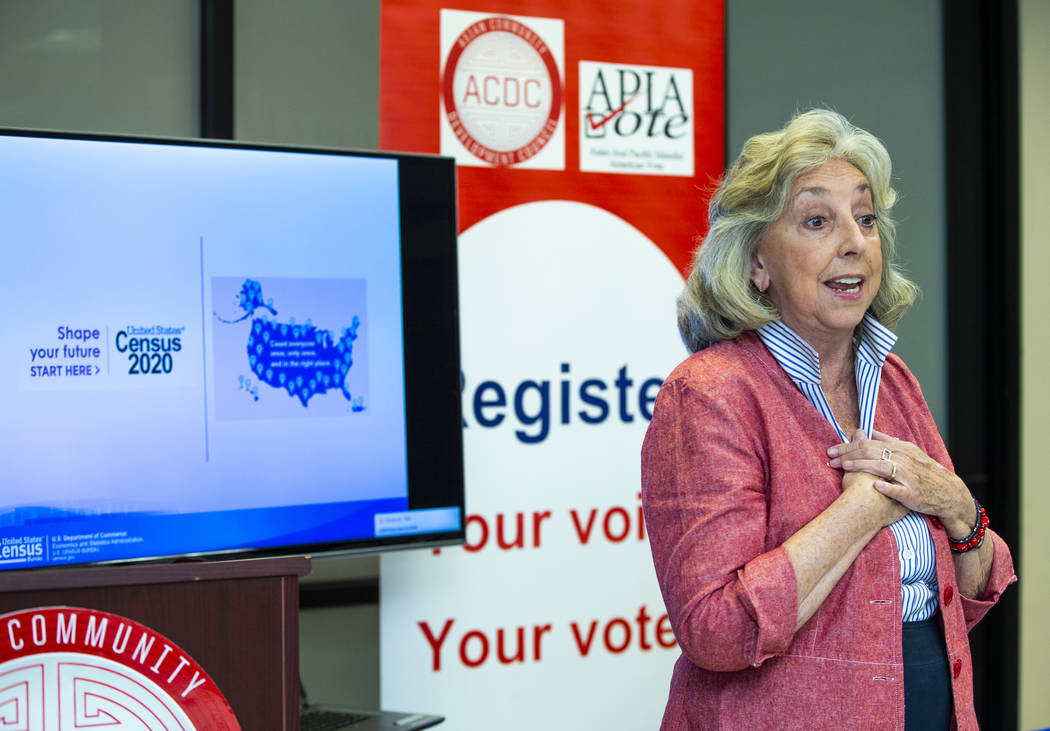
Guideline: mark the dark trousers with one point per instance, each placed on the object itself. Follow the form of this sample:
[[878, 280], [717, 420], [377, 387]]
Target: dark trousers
[[927, 683]]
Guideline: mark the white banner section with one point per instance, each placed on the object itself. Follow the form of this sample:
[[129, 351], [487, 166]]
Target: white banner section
[[550, 617]]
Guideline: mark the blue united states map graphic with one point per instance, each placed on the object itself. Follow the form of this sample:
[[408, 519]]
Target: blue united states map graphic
[[300, 359]]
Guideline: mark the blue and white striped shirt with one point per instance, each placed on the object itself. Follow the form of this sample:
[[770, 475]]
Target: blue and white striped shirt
[[802, 364]]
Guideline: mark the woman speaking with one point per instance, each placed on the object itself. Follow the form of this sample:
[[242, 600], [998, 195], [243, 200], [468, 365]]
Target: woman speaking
[[820, 561]]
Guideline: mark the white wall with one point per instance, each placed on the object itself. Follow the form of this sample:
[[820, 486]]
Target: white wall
[[1034, 563]]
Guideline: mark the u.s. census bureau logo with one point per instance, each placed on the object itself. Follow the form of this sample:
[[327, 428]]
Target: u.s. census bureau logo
[[71, 668], [502, 91]]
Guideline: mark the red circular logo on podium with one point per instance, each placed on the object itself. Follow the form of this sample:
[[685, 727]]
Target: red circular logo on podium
[[502, 91], [73, 668]]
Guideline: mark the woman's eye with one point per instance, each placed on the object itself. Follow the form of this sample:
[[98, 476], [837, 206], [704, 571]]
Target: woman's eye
[[867, 221], [815, 221]]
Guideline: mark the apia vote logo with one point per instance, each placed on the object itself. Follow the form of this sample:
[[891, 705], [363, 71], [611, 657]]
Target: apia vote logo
[[636, 119], [73, 668], [501, 89]]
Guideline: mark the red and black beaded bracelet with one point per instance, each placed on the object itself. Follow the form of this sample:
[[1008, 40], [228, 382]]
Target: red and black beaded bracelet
[[976, 537]]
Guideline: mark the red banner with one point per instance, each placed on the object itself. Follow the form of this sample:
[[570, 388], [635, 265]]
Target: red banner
[[668, 209]]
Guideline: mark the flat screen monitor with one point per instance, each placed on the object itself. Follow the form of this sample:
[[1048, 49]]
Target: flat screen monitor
[[224, 350]]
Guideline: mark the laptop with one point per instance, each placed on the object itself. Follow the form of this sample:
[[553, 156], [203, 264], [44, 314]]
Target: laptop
[[337, 718]]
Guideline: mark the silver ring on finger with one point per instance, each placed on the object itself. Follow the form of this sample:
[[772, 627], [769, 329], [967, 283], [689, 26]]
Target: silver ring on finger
[[887, 454]]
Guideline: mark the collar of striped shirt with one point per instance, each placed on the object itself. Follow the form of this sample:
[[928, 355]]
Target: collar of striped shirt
[[802, 364]]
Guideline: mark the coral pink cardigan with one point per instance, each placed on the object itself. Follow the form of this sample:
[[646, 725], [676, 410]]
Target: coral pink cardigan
[[733, 464]]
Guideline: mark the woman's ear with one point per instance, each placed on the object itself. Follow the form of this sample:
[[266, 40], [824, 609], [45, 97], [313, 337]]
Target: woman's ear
[[759, 273]]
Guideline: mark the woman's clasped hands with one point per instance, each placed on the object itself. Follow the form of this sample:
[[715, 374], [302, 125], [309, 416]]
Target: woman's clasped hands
[[907, 475]]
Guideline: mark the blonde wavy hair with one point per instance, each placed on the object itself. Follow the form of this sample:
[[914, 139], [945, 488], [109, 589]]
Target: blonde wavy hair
[[720, 301]]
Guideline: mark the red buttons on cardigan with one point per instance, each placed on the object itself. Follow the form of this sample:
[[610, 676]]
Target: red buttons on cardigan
[[957, 668], [948, 594]]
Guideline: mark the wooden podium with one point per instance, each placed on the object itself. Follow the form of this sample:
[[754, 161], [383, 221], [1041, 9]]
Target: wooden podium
[[238, 619]]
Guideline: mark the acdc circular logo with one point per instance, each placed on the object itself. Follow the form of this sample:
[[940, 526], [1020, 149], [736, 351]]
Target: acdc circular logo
[[502, 91], [64, 668]]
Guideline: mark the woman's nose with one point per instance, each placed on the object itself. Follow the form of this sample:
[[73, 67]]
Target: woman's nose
[[854, 238]]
